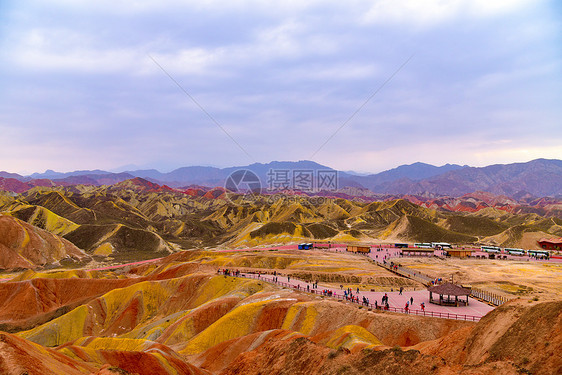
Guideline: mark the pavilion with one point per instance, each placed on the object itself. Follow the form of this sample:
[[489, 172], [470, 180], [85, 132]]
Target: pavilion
[[446, 291]]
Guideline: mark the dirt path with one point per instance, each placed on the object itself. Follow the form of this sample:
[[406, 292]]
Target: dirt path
[[123, 265]]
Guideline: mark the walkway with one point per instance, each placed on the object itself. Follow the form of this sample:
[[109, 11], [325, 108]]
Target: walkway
[[473, 312]]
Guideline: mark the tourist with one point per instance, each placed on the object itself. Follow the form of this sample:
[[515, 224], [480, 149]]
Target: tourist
[[411, 300]]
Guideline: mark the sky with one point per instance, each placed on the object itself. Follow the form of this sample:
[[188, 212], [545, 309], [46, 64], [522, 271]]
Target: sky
[[354, 85]]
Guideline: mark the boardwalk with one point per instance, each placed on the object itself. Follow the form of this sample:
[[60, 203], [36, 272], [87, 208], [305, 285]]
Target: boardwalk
[[473, 312]]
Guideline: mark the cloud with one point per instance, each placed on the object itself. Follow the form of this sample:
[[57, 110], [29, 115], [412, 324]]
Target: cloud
[[135, 7], [412, 13], [60, 49], [280, 78]]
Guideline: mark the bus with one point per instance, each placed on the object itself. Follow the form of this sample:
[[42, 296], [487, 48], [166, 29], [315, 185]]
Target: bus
[[512, 251], [401, 245], [491, 249], [441, 245], [305, 246], [425, 245], [538, 253]]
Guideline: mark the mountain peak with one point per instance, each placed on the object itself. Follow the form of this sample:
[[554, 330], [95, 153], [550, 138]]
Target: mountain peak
[[139, 183], [536, 178]]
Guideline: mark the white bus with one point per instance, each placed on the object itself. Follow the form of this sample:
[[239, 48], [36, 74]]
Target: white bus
[[512, 251], [539, 253], [425, 245], [491, 249], [442, 245]]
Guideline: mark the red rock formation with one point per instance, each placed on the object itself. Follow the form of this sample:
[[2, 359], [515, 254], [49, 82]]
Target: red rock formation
[[24, 246]]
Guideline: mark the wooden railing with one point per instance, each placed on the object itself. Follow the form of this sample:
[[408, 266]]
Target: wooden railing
[[482, 295], [489, 297], [406, 272], [402, 271]]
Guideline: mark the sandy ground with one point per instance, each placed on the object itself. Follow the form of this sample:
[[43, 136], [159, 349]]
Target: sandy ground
[[510, 278]]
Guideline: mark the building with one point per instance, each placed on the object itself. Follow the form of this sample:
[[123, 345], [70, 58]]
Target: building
[[358, 249], [551, 243], [446, 292], [418, 251], [459, 253]]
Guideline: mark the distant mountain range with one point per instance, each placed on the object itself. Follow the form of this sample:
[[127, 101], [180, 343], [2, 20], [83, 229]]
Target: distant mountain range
[[537, 178], [540, 178]]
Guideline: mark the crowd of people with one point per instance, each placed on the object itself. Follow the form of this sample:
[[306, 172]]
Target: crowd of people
[[349, 294], [227, 272]]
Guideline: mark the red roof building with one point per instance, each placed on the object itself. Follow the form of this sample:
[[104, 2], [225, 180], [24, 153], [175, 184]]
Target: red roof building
[[446, 291], [551, 243]]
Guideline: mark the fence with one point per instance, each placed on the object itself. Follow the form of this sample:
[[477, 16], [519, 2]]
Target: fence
[[482, 295], [485, 296], [401, 271], [414, 275], [405, 272], [330, 293]]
